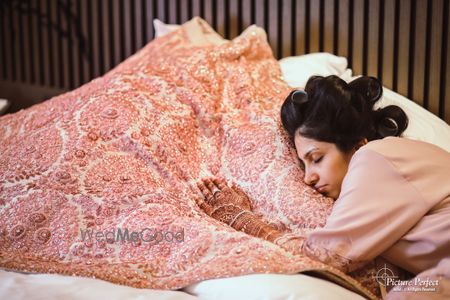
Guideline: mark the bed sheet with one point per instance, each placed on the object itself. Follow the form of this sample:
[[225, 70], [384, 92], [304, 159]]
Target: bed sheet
[[20, 286]]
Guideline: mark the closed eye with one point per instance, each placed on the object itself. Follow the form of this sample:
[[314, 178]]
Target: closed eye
[[318, 160]]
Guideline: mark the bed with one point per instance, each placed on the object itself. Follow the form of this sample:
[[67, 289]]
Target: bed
[[97, 157]]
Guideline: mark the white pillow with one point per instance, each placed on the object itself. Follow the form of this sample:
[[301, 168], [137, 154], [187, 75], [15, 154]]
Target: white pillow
[[270, 287], [4, 104], [19, 286], [162, 28], [296, 70], [423, 125]]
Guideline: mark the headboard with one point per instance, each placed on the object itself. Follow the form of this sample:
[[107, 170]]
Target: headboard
[[58, 45]]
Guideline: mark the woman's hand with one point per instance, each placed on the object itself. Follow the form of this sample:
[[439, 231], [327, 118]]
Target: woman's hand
[[233, 207], [222, 202]]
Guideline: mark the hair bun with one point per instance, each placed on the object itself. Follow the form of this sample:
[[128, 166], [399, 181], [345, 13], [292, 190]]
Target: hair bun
[[293, 109], [390, 121], [368, 87], [387, 127], [299, 96]]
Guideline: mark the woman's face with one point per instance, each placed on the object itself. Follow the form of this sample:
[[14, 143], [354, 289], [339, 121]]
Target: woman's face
[[324, 164]]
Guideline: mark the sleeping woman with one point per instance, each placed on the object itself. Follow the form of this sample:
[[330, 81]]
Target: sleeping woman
[[392, 194]]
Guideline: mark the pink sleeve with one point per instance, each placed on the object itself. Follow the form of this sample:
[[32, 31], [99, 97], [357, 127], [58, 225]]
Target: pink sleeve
[[376, 207]]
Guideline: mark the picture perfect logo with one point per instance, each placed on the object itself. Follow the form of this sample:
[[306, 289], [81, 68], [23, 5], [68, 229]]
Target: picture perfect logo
[[387, 278], [147, 235]]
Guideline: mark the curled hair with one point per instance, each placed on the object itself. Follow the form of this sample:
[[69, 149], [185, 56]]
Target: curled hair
[[331, 110]]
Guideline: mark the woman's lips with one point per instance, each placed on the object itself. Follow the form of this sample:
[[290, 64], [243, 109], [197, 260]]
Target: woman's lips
[[321, 189]]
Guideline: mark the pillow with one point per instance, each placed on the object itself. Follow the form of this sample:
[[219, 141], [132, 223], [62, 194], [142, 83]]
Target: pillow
[[423, 125], [17, 286], [270, 286], [162, 28], [4, 104], [122, 151], [296, 70]]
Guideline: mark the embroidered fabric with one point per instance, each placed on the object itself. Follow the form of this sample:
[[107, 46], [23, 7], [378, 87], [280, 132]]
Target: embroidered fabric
[[120, 151]]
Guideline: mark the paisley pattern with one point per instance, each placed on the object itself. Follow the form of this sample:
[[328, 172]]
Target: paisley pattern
[[120, 152]]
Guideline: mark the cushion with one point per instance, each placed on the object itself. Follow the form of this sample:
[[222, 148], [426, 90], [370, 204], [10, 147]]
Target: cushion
[[4, 104], [162, 28], [122, 151], [297, 70]]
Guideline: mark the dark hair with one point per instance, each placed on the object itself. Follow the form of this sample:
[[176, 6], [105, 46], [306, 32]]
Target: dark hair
[[330, 110]]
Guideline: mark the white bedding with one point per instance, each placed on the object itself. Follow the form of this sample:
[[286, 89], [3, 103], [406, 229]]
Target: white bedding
[[19, 286]]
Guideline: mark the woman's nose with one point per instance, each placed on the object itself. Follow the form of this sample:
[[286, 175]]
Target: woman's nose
[[311, 178]]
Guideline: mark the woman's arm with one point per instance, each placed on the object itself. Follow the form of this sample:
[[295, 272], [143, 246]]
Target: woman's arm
[[377, 206], [252, 224]]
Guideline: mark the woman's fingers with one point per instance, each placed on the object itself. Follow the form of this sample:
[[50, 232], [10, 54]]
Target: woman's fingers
[[203, 205], [205, 191], [215, 191], [211, 186], [221, 183], [236, 188]]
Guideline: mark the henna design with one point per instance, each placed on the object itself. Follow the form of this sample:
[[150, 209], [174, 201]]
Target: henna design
[[232, 206]]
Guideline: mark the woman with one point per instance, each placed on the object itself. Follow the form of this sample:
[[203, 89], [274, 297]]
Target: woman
[[392, 195]]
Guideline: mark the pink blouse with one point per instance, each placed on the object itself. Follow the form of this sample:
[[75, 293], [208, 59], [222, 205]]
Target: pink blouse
[[394, 202]]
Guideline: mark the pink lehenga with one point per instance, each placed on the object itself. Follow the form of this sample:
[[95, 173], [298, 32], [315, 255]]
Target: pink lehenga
[[120, 151]]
